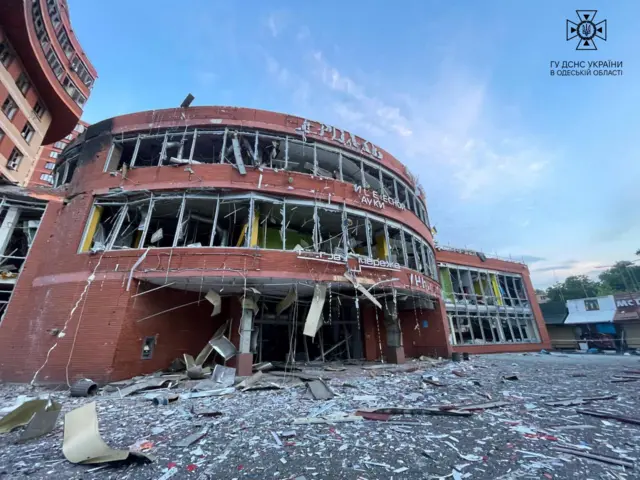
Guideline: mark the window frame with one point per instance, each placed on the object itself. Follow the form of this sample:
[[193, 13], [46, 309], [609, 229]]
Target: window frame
[[23, 83], [13, 110], [30, 132], [15, 152]]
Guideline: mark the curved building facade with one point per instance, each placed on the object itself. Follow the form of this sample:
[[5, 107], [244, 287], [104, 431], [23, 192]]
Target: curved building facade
[[242, 234], [291, 238], [45, 80]]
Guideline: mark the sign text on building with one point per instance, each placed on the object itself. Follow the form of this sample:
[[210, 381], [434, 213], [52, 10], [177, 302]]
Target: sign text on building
[[343, 137], [375, 199], [422, 283]]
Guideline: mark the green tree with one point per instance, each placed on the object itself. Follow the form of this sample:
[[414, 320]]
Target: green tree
[[624, 276], [575, 286]]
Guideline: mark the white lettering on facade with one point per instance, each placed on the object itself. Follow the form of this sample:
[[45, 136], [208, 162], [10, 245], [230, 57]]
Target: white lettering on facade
[[421, 282], [632, 302], [378, 200], [363, 260], [343, 137]]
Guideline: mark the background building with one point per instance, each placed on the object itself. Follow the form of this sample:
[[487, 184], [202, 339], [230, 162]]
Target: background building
[[46, 162], [608, 322], [45, 80]]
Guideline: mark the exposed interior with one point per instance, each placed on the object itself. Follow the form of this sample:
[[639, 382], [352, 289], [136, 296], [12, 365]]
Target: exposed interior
[[245, 149], [251, 220], [487, 306], [19, 223]]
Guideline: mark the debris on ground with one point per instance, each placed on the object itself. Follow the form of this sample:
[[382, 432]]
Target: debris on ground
[[83, 443], [381, 421]]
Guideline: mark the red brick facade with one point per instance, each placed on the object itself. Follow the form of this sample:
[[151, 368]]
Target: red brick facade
[[85, 295]]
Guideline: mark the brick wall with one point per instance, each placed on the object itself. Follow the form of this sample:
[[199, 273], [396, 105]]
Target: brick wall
[[431, 340], [184, 330]]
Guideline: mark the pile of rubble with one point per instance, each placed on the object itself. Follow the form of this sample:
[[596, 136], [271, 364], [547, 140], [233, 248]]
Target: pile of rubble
[[507, 416]]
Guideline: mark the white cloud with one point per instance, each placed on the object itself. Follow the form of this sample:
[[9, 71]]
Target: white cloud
[[277, 71], [294, 84], [447, 124], [547, 273], [275, 22]]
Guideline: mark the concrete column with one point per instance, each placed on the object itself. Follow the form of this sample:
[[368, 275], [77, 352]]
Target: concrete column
[[244, 362], [395, 350], [9, 223]]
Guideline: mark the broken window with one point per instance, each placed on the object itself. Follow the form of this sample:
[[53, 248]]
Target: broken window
[[206, 148], [431, 258], [357, 235], [328, 163], [301, 156], [505, 326], [351, 171], [412, 257], [271, 150], [330, 233], [233, 218], [396, 245], [379, 246], [482, 327], [299, 230], [270, 223], [372, 177], [508, 291], [197, 223], [18, 225], [163, 223], [421, 256], [115, 227], [388, 185], [402, 194]]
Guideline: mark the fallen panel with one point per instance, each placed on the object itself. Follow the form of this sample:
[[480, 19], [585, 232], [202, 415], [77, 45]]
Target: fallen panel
[[247, 382], [578, 401], [225, 376], [209, 393], [21, 415], [381, 417], [214, 298], [286, 302], [613, 416], [361, 289], [82, 442], [481, 406], [237, 153], [223, 346], [593, 456], [318, 390], [314, 317], [147, 384], [43, 422], [422, 411], [328, 419], [191, 439]]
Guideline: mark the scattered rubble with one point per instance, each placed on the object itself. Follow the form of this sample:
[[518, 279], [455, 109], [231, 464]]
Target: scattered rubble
[[393, 424]]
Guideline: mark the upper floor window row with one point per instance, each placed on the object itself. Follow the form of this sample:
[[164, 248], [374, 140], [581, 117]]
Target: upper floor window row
[[472, 287], [253, 220], [265, 150]]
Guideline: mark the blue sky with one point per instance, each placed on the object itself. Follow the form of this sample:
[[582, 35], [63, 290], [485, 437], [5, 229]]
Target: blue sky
[[514, 161]]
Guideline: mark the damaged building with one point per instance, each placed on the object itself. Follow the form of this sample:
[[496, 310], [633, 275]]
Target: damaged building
[[240, 236]]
